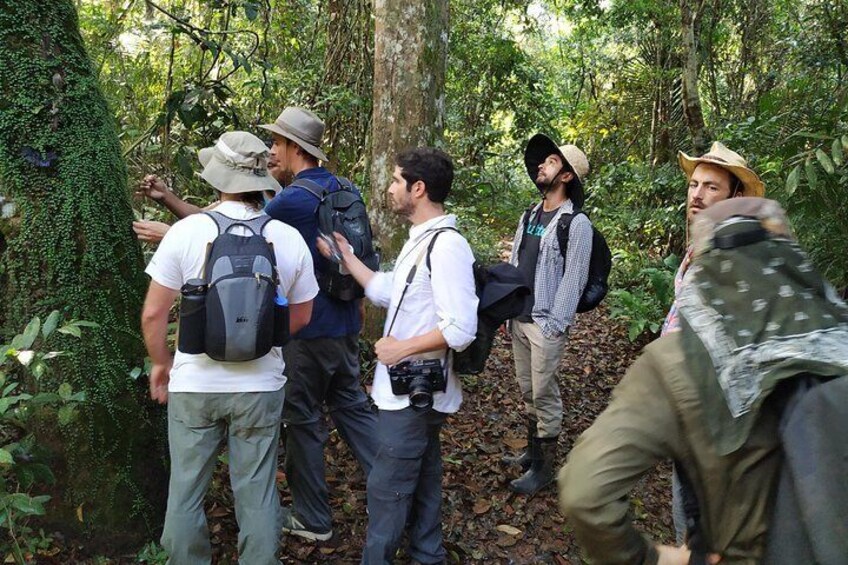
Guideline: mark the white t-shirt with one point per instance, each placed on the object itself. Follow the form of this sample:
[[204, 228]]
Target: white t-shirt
[[180, 257]]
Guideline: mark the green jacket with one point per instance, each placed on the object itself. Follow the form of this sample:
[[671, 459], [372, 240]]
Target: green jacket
[[656, 414]]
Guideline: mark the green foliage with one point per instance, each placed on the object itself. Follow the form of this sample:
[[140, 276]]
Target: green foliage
[[72, 250], [646, 304], [23, 461], [152, 553]]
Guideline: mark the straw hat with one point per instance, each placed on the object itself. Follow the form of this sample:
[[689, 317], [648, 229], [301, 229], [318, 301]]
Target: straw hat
[[302, 127], [238, 162], [541, 146], [723, 157]]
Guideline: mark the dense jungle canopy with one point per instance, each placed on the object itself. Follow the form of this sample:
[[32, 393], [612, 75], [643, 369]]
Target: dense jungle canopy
[[94, 94]]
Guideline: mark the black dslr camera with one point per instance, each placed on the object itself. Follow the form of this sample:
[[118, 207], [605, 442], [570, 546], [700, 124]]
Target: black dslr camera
[[418, 379]]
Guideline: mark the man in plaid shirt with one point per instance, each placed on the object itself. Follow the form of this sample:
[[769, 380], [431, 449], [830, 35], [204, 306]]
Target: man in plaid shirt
[[557, 278]]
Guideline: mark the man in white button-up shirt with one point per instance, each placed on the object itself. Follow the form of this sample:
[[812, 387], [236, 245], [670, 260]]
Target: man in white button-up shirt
[[429, 313]]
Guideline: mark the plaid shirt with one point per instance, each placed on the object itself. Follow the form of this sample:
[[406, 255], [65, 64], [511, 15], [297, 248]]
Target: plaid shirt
[[559, 281]]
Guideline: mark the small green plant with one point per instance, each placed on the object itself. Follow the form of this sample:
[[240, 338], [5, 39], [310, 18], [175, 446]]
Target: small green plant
[[644, 306], [153, 553], [23, 363]]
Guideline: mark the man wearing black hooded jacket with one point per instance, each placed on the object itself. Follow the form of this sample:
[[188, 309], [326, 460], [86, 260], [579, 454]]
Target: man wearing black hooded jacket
[[557, 280]]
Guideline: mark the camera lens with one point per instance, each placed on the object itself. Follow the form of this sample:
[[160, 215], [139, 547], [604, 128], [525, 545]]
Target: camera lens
[[420, 395]]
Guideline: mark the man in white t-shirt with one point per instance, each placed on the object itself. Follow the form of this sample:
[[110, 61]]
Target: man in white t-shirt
[[211, 401], [432, 308]]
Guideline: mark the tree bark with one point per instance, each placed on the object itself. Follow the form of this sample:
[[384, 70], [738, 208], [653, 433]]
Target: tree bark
[[690, 16], [410, 55], [73, 249]]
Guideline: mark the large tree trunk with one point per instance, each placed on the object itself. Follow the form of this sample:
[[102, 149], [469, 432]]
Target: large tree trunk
[[690, 16], [72, 249], [410, 54], [348, 76]]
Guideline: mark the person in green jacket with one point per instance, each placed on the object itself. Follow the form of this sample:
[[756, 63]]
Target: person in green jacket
[[754, 313]]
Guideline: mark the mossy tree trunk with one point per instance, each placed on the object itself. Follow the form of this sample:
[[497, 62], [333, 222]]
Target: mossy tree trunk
[[410, 55], [72, 249]]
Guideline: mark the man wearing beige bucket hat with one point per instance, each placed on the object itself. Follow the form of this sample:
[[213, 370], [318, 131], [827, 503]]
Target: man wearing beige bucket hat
[[323, 358], [210, 401], [716, 176], [557, 280]]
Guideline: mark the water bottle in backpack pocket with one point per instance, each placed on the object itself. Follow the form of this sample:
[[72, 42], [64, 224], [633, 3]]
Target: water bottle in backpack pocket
[[192, 334]]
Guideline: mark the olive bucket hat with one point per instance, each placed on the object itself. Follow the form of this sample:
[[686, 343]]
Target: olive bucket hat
[[301, 127], [541, 146], [238, 162]]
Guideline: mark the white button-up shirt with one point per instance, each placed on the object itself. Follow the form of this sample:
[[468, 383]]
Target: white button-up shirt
[[444, 298]]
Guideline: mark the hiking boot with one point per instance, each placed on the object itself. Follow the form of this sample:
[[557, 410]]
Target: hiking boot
[[292, 525], [524, 459], [541, 472]]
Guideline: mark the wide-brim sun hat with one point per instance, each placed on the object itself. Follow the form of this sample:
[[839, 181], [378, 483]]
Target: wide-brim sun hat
[[238, 162], [721, 156], [541, 146], [302, 127]]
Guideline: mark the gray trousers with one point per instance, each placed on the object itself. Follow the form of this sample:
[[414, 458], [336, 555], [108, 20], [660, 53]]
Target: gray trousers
[[323, 371], [198, 423], [405, 488]]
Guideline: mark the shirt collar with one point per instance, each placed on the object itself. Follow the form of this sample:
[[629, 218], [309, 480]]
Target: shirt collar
[[443, 221], [312, 173]]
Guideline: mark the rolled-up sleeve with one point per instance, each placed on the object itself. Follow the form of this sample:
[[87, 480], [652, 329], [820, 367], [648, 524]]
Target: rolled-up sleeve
[[452, 276], [379, 289]]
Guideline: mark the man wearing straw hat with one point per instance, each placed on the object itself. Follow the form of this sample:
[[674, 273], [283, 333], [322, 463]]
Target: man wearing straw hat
[[748, 399], [557, 280], [714, 177], [209, 401]]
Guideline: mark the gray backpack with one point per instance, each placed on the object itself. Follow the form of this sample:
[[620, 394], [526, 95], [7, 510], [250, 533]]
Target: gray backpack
[[241, 278]]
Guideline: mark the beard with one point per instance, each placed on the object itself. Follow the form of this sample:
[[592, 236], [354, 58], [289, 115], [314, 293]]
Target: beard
[[404, 208], [283, 177]]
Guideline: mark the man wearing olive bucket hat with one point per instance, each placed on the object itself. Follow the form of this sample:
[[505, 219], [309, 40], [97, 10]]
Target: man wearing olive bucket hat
[[557, 281], [212, 401], [714, 177]]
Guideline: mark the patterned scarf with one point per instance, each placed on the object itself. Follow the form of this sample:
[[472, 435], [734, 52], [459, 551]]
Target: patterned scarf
[[754, 312]]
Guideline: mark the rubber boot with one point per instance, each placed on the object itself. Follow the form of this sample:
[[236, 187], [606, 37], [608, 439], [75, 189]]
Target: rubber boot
[[524, 459], [541, 472]]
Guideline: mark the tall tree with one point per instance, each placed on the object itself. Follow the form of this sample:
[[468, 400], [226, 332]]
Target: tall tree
[[410, 55], [72, 249], [691, 12]]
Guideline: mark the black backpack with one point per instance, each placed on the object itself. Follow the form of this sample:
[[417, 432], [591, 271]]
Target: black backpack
[[600, 264], [343, 211], [502, 293], [241, 278]]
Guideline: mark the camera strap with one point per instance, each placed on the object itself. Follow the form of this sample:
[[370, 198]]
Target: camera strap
[[406, 286]]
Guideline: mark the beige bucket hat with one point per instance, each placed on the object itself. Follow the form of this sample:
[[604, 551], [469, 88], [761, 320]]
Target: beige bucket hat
[[721, 156], [302, 127], [238, 162]]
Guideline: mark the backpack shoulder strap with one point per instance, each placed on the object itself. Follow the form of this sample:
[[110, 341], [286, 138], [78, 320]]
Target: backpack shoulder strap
[[257, 224], [225, 223], [346, 184], [312, 187], [433, 242], [564, 227], [525, 218]]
